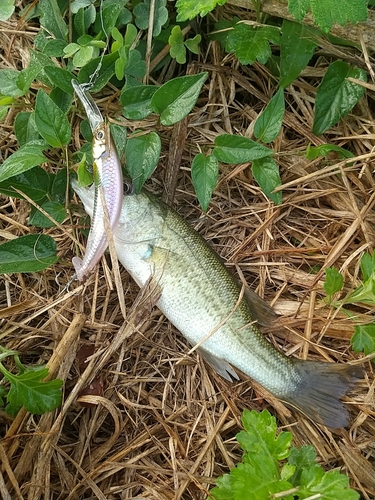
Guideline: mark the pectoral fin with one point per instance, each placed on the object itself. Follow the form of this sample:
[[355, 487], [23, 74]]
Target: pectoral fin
[[220, 365]]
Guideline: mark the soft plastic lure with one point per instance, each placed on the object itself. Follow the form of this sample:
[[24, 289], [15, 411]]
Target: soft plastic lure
[[108, 184]]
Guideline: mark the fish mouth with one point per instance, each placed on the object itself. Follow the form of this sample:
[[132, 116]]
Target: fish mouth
[[93, 113]]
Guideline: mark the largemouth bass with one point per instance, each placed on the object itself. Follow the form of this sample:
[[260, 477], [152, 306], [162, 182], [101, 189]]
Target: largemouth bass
[[203, 300]]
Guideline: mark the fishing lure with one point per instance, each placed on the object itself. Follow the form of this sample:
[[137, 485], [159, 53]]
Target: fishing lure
[[108, 185]]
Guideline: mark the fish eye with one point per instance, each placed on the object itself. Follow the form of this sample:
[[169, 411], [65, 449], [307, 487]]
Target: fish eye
[[99, 135], [128, 188]]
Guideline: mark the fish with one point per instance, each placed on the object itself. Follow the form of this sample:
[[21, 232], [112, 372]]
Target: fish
[[108, 185], [205, 303]]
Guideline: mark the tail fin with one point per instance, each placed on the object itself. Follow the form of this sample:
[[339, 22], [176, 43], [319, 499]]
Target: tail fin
[[320, 389]]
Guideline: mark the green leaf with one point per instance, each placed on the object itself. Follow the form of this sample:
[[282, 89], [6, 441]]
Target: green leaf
[[62, 99], [325, 149], [34, 183], [363, 339], [235, 149], [188, 9], [251, 43], [7, 9], [38, 62], [85, 178], [51, 19], [298, 44], [336, 96], [333, 283], [110, 13], [119, 135], [367, 265], [51, 122], [142, 155], [364, 293], [54, 48], [328, 12], [61, 78], [328, 485], [83, 56], [136, 101], [266, 173], [76, 5], [23, 159], [204, 174], [27, 254], [28, 390], [54, 209], [193, 44], [59, 187], [268, 124], [8, 82], [176, 41], [25, 128], [175, 99], [107, 70], [135, 66], [142, 15]]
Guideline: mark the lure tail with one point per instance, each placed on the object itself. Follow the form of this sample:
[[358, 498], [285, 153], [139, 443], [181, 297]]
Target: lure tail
[[320, 387]]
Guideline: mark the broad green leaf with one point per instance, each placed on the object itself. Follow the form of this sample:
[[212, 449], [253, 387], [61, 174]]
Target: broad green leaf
[[251, 43], [119, 135], [328, 12], [268, 124], [142, 155], [27, 254], [61, 78], [324, 149], [23, 159], [363, 339], [367, 265], [136, 101], [266, 173], [364, 293], [135, 66], [175, 99], [85, 178], [298, 44], [51, 19], [79, 22], [38, 62], [176, 41], [107, 70], [54, 209], [59, 186], [235, 149], [329, 485], [7, 9], [25, 128], [193, 44], [110, 12], [204, 174], [142, 15], [336, 96], [54, 48], [8, 82], [34, 183], [29, 390], [188, 9], [51, 122], [333, 282], [83, 56], [62, 99], [76, 5]]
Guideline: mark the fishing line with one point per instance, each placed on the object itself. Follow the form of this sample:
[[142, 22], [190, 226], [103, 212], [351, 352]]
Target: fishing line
[[94, 76]]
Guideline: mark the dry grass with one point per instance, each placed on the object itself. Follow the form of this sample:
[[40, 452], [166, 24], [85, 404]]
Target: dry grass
[[163, 425]]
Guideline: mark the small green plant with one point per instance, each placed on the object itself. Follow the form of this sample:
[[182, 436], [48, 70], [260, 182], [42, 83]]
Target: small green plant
[[273, 469], [363, 339], [26, 388]]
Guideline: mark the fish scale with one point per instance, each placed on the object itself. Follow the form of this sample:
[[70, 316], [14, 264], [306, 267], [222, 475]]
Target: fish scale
[[198, 294]]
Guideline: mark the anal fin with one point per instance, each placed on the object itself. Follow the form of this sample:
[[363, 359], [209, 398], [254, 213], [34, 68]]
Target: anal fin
[[221, 366]]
